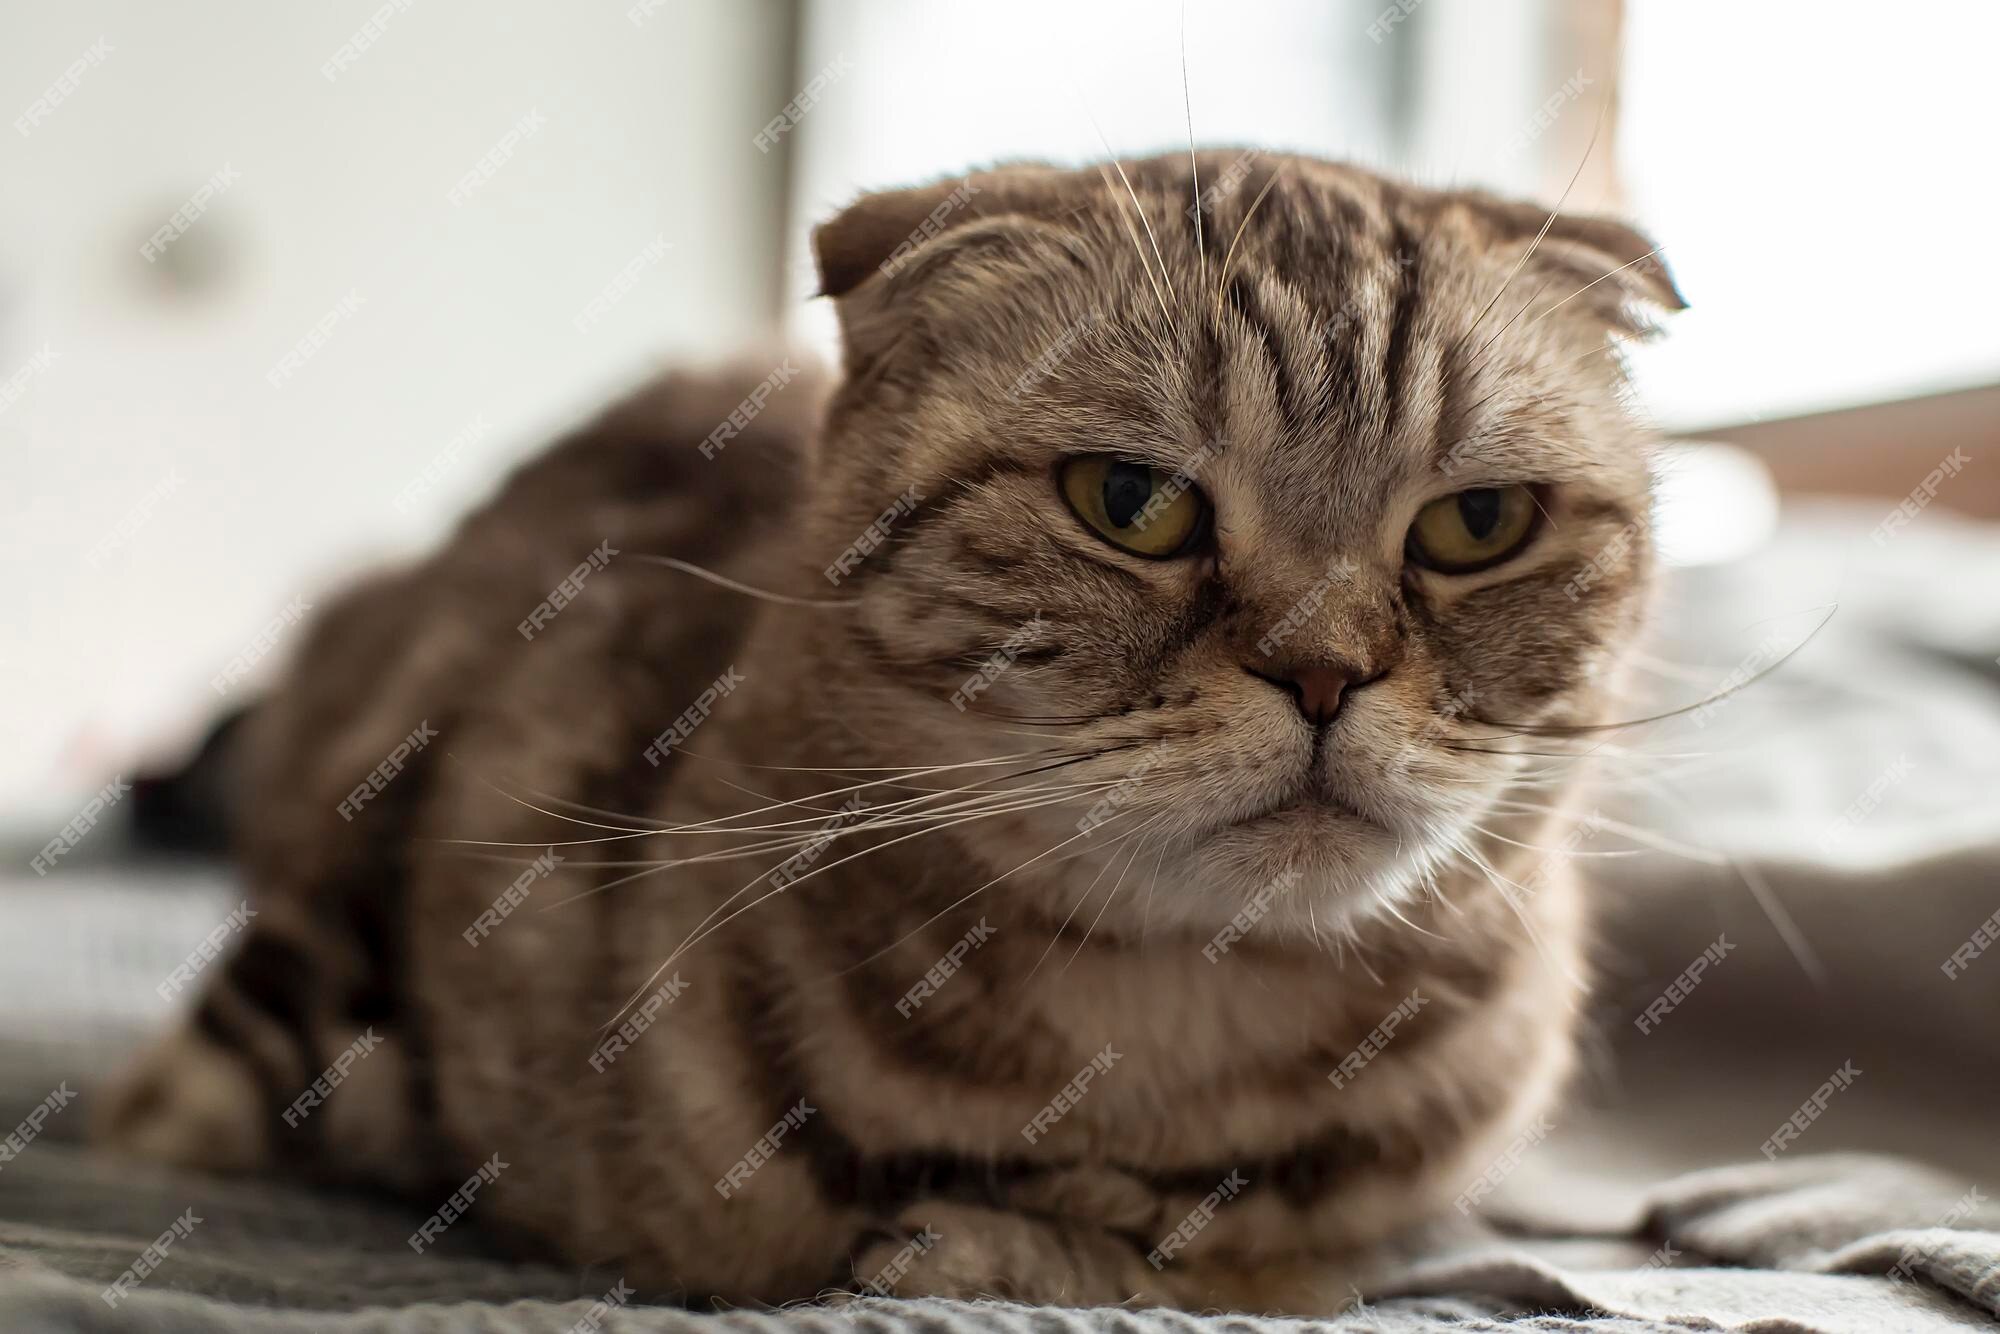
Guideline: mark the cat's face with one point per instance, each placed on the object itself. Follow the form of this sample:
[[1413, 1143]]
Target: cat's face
[[1266, 542]]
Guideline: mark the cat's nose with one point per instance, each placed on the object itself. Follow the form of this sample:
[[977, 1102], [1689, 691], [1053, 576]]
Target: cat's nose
[[1316, 687]]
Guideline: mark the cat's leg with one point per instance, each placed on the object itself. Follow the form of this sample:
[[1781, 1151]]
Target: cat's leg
[[971, 1252], [938, 1249], [276, 1065]]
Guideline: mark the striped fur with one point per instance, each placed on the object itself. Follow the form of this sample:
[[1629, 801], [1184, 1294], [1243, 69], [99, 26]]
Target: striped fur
[[1256, 902]]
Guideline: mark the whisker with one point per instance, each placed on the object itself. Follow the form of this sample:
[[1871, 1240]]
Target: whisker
[[1081, 899], [1158, 294], [1222, 282], [1554, 213], [1194, 167], [737, 586], [967, 898], [1592, 283], [1112, 897], [1581, 729], [1500, 884]]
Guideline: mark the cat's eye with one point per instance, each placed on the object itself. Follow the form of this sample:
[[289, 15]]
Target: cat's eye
[[1133, 506], [1474, 529]]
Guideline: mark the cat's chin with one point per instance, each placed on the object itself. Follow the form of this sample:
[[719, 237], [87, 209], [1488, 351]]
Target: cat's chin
[[1305, 862]]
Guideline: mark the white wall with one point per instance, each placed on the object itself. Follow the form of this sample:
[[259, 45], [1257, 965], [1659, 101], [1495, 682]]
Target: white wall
[[1822, 177], [341, 187]]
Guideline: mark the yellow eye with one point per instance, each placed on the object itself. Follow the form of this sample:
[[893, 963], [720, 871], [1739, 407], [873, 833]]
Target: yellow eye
[[1473, 529], [1134, 507]]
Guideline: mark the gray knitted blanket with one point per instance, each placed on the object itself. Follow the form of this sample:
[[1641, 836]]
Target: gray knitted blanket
[[1845, 1244]]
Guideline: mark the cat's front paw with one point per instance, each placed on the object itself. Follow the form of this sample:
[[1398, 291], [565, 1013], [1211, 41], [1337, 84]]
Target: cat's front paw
[[970, 1252]]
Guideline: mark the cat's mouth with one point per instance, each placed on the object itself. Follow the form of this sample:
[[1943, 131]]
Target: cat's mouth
[[1314, 803]]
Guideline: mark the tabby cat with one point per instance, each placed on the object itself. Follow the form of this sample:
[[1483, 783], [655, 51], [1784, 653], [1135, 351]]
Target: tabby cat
[[1061, 813]]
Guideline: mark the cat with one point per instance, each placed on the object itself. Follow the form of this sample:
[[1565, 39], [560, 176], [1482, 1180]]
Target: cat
[[1060, 811]]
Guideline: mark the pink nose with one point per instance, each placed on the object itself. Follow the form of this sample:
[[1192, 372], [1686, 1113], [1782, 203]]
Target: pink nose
[[1316, 687]]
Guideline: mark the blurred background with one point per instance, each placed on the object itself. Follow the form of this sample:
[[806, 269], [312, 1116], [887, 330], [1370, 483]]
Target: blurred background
[[285, 288]]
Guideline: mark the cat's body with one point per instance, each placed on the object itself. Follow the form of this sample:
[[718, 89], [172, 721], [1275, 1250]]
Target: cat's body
[[1224, 976]]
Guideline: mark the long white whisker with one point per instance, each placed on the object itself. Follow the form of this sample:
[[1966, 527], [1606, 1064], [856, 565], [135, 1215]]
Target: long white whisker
[[737, 586]]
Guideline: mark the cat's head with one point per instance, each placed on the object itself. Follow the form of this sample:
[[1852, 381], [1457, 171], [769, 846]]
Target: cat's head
[[1264, 505]]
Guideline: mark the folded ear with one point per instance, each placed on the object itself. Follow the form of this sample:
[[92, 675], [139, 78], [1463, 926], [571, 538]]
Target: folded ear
[[879, 233], [1621, 254], [1616, 270], [962, 244]]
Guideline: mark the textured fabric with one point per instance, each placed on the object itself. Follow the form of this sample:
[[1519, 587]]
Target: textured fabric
[[1809, 1244]]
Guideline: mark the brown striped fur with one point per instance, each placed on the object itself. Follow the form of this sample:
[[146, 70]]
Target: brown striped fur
[[1369, 346]]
